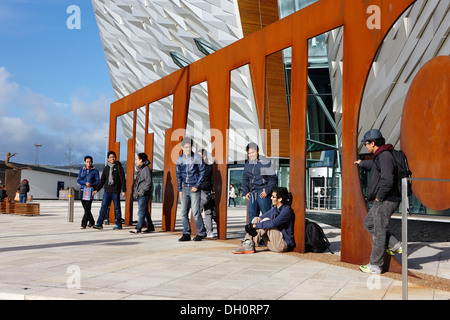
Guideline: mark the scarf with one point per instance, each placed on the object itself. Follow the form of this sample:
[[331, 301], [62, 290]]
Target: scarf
[[111, 178], [383, 148]]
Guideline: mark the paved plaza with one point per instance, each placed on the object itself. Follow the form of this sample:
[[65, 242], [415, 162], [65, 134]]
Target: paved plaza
[[47, 257]]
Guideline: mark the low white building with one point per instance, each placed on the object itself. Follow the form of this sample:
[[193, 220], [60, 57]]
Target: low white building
[[44, 183]]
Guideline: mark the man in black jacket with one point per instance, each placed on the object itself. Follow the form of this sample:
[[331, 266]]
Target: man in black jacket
[[382, 190], [206, 199], [113, 178]]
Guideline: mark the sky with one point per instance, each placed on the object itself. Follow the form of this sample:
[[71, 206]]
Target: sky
[[55, 87]]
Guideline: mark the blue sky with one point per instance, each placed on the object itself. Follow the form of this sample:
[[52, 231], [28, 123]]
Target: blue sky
[[54, 82]]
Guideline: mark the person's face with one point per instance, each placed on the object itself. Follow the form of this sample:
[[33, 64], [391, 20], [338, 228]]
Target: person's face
[[112, 158], [88, 163], [252, 154], [186, 149], [138, 161], [370, 145], [275, 200]]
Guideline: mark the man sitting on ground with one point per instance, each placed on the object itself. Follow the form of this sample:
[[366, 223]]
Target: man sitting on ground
[[275, 227]]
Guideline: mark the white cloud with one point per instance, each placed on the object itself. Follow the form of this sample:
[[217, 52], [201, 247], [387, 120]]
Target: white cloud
[[27, 117]]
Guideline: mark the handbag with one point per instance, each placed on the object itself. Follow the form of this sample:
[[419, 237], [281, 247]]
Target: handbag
[[87, 193], [17, 198]]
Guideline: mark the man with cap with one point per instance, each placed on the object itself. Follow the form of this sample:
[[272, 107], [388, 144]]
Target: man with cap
[[382, 190]]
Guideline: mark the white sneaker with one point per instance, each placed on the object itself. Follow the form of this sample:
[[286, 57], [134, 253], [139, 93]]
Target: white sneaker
[[210, 234]]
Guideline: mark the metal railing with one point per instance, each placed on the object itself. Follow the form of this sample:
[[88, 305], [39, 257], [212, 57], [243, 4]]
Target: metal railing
[[405, 231]]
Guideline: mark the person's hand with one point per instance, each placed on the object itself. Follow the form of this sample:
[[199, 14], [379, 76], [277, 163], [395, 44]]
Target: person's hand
[[194, 189], [94, 192], [247, 196], [357, 162], [263, 194], [123, 194], [180, 195]]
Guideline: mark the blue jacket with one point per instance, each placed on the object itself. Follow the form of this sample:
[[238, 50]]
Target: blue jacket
[[92, 176], [281, 218], [259, 174], [190, 171]]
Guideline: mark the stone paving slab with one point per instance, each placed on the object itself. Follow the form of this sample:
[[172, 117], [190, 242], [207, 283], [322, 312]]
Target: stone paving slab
[[46, 257]]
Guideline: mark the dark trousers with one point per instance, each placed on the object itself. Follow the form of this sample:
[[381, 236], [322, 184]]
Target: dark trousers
[[376, 223], [144, 214], [87, 217], [106, 201]]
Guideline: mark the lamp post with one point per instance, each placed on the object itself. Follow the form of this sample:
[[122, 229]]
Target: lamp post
[[37, 145]]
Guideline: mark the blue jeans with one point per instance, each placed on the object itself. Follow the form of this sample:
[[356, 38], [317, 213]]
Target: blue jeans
[[23, 197], [143, 213], [106, 201], [191, 200], [257, 205]]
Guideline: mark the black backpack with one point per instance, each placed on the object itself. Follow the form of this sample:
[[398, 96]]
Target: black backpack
[[315, 239], [403, 171]]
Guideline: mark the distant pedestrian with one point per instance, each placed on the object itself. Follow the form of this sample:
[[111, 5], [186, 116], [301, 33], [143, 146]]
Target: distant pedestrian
[[232, 195], [190, 171], [382, 190], [23, 188], [158, 193], [88, 178], [142, 191], [3, 193], [113, 178]]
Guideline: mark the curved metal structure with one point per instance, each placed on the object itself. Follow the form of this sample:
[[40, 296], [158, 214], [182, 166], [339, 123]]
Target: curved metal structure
[[292, 31]]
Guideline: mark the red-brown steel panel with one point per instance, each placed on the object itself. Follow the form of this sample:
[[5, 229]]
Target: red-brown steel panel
[[360, 47]]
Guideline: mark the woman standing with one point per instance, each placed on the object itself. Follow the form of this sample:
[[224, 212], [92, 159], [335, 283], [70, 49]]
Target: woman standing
[[232, 195]]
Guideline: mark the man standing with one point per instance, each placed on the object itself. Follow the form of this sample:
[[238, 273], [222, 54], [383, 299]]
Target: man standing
[[23, 188], [190, 171], [258, 180], [206, 200], [87, 177], [113, 178], [143, 191], [275, 227], [382, 190]]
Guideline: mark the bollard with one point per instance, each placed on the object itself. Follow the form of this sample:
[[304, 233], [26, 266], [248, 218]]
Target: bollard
[[404, 239], [71, 203]]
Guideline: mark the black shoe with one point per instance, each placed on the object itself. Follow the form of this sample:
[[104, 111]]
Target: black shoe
[[117, 227], [97, 226], [185, 237], [198, 238]]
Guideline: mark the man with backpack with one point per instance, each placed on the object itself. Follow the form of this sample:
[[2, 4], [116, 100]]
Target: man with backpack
[[275, 227], [384, 193]]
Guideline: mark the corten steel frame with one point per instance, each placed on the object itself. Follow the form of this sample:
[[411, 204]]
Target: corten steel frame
[[360, 47]]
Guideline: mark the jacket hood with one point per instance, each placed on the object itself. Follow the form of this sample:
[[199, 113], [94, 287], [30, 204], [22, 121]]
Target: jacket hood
[[145, 163], [383, 148]]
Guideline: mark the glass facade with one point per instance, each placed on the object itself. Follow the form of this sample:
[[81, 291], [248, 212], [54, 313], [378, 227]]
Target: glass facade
[[323, 183]]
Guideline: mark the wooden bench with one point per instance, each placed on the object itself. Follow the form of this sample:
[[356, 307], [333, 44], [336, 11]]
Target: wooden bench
[[26, 209]]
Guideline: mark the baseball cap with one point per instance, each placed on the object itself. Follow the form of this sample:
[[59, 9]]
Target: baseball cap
[[371, 135]]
